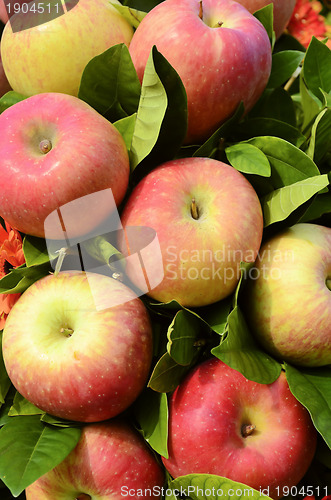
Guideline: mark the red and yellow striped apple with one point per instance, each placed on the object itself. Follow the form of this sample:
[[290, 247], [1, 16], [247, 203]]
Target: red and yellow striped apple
[[222, 423]]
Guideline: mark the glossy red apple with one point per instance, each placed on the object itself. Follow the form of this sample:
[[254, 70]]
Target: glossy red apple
[[207, 218], [78, 345], [55, 148], [221, 423], [110, 459], [220, 50]]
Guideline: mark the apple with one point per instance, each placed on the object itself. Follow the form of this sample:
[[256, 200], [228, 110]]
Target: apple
[[110, 459], [220, 50], [51, 55], [4, 85], [222, 423], [282, 11], [207, 218], [78, 345], [8, 8], [288, 299], [55, 148]]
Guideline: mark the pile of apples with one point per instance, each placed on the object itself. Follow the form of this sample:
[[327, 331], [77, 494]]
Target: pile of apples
[[127, 268]]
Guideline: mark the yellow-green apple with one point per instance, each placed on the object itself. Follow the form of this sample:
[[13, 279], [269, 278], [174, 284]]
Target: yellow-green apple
[[282, 11], [222, 423], [288, 299], [78, 345], [4, 84], [220, 50], [55, 148], [110, 459], [207, 218], [51, 55]]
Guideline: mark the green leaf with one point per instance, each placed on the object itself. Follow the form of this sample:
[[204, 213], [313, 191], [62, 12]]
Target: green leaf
[[321, 205], [204, 487], [34, 448], [151, 111], [216, 315], [19, 279], [154, 422], [310, 105], [167, 374], [284, 65], [110, 83], [248, 159], [35, 251], [133, 16], [279, 204], [320, 141], [317, 68], [185, 337], [211, 147], [266, 17], [312, 387], [276, 104], [9, 99], [58, 422], [126, 127], [255, 127], [5, 382], [241, 352], [161, 123], [288, 163], [22, 406]]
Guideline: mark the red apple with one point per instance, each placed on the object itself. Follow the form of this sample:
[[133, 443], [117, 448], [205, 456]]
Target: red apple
[[282, 11], [207, 218], [288, 301], [55, 148], [46, 50], [221, 52], [109, 460], [9, 7], [78, 346], [221, 423]]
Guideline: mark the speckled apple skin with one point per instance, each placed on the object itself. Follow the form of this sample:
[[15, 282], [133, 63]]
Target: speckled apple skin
[[282, 11], [100, 369], [206, 413], [51, 57], [288, 305], [219, 67], [88, 154], [108, 456], [200, 258]]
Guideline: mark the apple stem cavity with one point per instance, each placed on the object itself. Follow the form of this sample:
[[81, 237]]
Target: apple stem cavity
[[67, 332], [45, 146], [328, 283], [83, 496], [247, 429], [194, 209]]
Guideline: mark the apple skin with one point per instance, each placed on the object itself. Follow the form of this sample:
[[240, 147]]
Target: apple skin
[[217, 401], [288, 305], [201, 257], [108, 456], [88, 154], [72, 360], [282, 11], [219, 67], [51, 57], [4, 84]]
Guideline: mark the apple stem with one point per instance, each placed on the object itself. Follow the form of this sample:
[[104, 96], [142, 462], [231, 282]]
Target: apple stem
[[328, 283], [62, 253], [45, 146], [201, 10], [247, 429], [194, 209], [67, 332], [218, 24]]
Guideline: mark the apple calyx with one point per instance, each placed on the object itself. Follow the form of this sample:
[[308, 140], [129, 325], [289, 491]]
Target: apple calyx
[[194, 209], [83, 496], [45, 146], [67, 332], [247, 429]]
